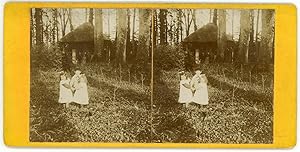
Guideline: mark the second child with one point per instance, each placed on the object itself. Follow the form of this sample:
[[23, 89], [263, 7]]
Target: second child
[[185, 92]]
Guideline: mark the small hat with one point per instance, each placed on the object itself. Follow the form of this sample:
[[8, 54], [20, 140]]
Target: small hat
[[198, 69], [77, 69]]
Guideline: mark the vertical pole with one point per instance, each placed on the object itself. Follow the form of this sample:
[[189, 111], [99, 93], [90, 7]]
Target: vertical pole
[[152, 49]]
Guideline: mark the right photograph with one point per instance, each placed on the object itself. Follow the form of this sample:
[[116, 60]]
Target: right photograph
[[213, 75]]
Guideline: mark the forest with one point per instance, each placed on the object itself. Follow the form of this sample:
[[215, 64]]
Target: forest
[[254, 43], [130, 54]]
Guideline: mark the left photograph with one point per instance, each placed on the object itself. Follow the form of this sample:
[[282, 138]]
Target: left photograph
[[90, 75]]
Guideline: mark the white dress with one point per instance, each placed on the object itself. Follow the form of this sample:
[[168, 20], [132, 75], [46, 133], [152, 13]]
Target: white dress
[[65, 94], [81, 94], [185, 94], [201, 93]]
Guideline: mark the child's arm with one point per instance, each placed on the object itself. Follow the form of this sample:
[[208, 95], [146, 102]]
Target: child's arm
[[66, 86], [187, 85], [85, 79]]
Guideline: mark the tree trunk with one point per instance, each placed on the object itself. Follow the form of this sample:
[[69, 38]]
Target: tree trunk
[[154, 28], [256, 36], [108, 23], [133, 48], [215, 16], [70, 19], [194, 19], [121, 35], [163, 26], [251, 39], [245, 28], [180, 24], [144, 37], [91, 15], [54, 26], [209, 16], [188, 21], [31, 29], [98, 35], [127, 41], [38, 25], [108, 55], [232, 36], [46, 30], [133, 24], [63, 15], [267, 34], [86, 15], [222, 34], [170, 33], [232, 25]]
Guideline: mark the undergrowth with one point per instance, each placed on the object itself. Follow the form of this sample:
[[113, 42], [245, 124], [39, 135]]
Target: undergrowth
[[120, 109]]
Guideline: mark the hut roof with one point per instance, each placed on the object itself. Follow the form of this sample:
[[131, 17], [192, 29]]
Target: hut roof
[[83, 33], [205, 34]]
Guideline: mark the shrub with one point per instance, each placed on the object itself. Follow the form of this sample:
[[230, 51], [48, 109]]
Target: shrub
[[44, 57], [167, 57]]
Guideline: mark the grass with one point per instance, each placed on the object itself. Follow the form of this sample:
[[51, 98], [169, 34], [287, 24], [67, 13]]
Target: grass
[[227, 119], [120, 110]]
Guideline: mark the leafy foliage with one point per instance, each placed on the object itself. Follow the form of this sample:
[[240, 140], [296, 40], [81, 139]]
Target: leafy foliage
[[44, 57], [167, 57]]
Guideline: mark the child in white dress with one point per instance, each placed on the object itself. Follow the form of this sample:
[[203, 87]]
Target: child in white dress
[[185, 92], [81, 93], [199, 87], [65, 93]]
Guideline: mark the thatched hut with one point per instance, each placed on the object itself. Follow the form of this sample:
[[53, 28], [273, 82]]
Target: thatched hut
[[84, 33], [203, 44], [79, 43], [205, 36]]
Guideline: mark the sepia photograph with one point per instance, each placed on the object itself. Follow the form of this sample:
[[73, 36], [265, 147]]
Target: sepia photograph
[[140, 75], [213, 76], [90, 75]]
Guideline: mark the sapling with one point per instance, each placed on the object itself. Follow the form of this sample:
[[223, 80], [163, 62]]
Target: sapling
[[242, 71], [101, 71], [135, 77], [142, 80], [129, 75], [116, 74], [263, 81], [120, 72], [234, 88], [115, 91], [250, 76]]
